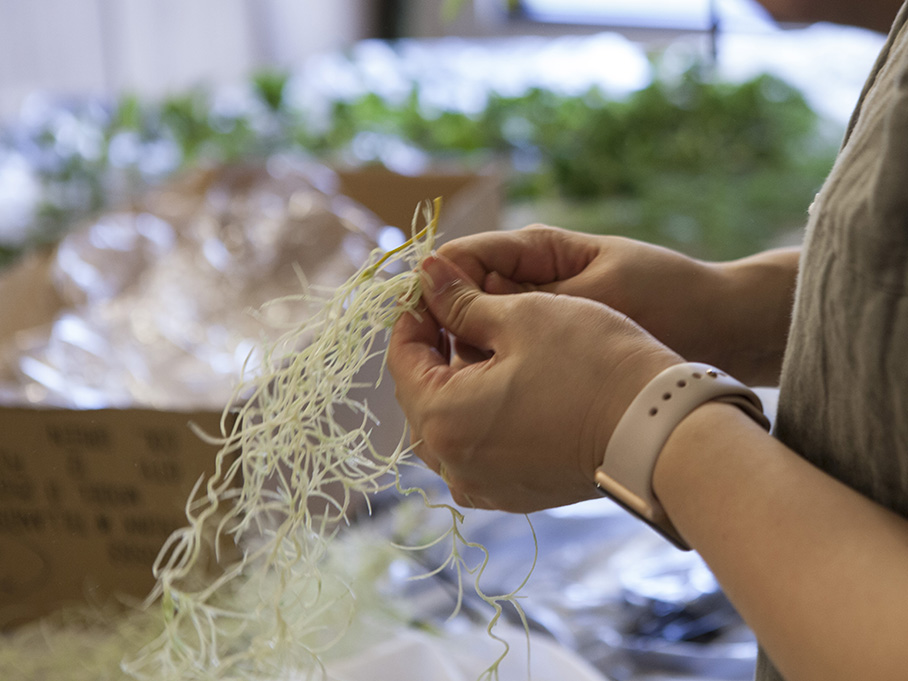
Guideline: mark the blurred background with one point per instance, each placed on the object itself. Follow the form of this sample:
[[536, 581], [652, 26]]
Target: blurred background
[[160, 165], [701, 124]]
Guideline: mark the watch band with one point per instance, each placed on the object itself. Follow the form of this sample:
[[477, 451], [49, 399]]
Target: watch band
[[626, 472]]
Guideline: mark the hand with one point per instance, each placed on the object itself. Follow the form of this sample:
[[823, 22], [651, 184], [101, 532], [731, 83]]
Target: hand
[[733, 315], [525, 427]]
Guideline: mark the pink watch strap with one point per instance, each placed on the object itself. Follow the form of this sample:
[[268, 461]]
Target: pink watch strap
[[627, 468]]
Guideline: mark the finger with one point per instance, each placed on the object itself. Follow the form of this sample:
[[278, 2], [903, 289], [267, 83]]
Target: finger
[[457, 303], [446, 344], [496, 284], [416, 352], [579, 285], [413, 332], [537, 254], [465, 354]]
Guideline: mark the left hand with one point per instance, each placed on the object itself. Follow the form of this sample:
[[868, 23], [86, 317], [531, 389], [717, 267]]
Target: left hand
[[525, 427]]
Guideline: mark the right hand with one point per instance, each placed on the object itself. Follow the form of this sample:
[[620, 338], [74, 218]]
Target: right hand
[[525, 426], [708, 312]]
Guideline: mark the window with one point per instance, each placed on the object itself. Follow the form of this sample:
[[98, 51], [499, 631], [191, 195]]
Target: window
[[678, 15]]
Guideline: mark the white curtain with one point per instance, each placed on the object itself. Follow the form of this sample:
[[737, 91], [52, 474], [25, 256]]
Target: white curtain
[[151, 47]]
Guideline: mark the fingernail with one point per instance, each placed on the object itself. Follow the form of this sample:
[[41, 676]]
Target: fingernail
[[438, 274]]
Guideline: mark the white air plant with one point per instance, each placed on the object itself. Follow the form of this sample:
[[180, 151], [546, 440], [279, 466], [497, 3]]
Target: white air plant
[[286, 475]]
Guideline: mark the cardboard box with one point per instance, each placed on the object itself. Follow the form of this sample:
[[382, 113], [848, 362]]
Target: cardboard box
[[87, 498], [472, 202]]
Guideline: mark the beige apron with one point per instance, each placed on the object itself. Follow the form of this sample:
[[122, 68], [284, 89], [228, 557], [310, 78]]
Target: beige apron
[[843, 402]]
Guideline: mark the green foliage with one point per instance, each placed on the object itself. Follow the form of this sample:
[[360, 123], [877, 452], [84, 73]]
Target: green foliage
[[717, 169], [712, 167], [270, 86]]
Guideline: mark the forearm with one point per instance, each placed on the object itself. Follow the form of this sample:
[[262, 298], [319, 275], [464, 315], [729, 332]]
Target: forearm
[[759, 293], [818, 571]]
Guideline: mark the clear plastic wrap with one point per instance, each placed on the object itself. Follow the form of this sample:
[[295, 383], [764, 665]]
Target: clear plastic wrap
[[162, 301]]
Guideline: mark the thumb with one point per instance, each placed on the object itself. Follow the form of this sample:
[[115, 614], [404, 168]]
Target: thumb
[[456, 302]]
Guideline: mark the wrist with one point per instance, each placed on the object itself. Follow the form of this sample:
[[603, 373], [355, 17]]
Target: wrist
[[759, 294], [696, 454], [634, 448]]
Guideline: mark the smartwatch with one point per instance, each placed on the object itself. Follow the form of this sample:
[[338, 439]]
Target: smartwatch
[[626, 472]]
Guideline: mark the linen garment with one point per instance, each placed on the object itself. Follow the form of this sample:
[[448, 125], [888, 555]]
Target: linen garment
[[843, 402]]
